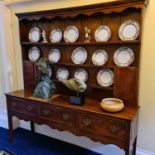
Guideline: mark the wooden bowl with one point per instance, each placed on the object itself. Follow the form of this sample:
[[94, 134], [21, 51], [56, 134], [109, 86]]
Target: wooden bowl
[[112, 104]]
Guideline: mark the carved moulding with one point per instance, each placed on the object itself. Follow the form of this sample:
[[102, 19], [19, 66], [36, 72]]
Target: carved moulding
[[88, 10]]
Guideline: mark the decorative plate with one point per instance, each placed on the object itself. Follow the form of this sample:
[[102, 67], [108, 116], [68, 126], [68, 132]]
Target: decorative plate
[[102, 33], [105, 77], [129, 30], [123, 57], [81, 74], [34, 34], [99, 57], [54, 55], [71, 34], [62, 73], [55, 35], [34, 53], [79, 55]]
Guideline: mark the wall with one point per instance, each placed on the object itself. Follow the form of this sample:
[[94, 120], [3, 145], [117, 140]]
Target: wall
[[7, 63], [146, 130], [146, 134]]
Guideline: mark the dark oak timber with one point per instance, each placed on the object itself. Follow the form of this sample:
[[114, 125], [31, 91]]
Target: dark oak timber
[[58, 113], [89, 119]]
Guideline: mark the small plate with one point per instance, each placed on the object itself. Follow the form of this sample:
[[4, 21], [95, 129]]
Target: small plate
[[55, 35], [54, 55], [123, 57], [34, 34], [62, 73], [99, 57], [81, 74], [79, 55], [34, 53], [71, 34], [102, 33], [105, 77], [129, 30]]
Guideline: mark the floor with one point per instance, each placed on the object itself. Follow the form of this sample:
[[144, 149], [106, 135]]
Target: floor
[[27, 143]]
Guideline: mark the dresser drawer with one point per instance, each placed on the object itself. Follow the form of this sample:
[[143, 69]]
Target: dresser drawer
[[102, 126], [46, 112], [23, 106], [57, 114]]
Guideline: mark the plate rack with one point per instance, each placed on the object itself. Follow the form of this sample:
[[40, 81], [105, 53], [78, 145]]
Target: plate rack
[[89, 119], [50, 20]]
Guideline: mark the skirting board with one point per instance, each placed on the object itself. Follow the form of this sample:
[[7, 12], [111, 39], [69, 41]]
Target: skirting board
[[142, 152], [4, 124], [108, 150]]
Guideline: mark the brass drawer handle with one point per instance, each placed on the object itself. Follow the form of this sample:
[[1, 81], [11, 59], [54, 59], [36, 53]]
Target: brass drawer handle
[[14, 104], [65, 117], [29, 108], [100, 121], [87, 122], [114, 128], [46, 112], [57, 109]]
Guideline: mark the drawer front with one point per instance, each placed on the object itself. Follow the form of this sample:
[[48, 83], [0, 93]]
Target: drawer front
[[57, 114], [23, 106], [102, 126], [47, 112]]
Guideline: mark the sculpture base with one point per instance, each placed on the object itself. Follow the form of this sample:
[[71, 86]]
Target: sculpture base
[[77, 100]]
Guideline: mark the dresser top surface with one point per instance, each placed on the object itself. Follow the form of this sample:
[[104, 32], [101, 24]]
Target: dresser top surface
[[128, 113]]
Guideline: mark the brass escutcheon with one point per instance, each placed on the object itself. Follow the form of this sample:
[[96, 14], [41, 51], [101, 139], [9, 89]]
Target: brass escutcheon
[[29, 108], [114, 128], [65, 117], [46, 112], [87, 122]]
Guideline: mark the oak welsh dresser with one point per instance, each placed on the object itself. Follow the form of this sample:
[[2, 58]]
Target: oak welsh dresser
[[89, 119]]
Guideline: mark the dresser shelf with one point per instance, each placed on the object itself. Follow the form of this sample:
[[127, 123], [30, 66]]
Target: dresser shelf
[[96, 86], [82, 65], [134, 42], [89, 119]]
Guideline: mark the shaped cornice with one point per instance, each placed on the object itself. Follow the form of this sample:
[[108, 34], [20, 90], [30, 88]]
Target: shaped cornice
[[106, 8]]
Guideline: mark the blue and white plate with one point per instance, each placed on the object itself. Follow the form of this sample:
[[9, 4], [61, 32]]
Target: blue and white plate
[[34, 53], [105, 77], [34, 34], [62, 73]]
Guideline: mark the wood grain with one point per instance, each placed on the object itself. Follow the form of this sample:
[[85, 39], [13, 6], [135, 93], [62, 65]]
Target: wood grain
[[89, 119]]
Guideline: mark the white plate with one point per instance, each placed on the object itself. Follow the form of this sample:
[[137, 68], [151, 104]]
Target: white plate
[[54, 55], [102, 33], [71, 34], [123, 57], [34, 34], [129, 30], [79, 55], [99, 57], [62, 73], [105, 77], [34, 53], [55, 35], [81, 74]]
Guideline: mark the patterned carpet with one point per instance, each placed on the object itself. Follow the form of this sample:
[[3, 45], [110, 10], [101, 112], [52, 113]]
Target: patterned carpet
[[6, 152], [27, 143]]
